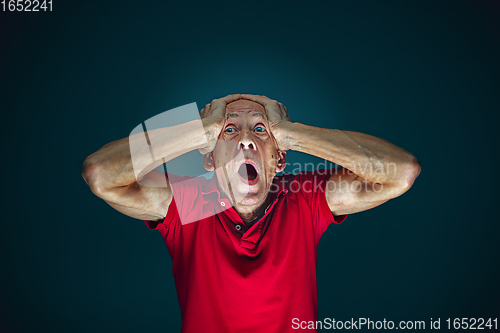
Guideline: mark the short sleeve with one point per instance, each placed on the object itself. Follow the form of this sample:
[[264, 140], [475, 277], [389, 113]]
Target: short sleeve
[[313, 188], [171, 214], [185, 192]]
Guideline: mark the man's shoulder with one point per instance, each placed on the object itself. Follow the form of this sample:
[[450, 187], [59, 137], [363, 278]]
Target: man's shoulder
[[176, 178], [304, 180], [202, 183], [305, 175]]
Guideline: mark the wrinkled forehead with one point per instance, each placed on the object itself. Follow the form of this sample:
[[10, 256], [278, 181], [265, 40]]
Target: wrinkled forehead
[[245, 109]]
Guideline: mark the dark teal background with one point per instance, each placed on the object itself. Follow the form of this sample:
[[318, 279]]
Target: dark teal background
[[423, 75]]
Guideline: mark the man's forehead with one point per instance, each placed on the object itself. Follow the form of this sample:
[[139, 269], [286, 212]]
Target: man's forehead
[[242, 108]]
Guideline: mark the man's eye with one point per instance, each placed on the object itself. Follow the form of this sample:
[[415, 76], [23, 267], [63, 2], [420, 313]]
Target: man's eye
[[229, 130], [259, 129]]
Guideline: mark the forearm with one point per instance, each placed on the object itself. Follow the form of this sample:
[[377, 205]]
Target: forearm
[[125, 161], [369, 157]]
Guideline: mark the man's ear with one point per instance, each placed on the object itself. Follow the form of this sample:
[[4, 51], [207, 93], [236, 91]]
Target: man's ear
[[280, 166], [208, 162]]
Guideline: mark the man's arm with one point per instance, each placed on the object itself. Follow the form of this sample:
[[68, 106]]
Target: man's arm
[[110, 173], [373, 170]]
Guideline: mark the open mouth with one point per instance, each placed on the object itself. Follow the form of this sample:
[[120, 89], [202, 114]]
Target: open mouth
[[248, 173]]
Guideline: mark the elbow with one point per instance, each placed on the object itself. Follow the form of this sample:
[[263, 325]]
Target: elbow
[[411, 172], [88, 170], [407, 176], [415, 167], [92, 174]]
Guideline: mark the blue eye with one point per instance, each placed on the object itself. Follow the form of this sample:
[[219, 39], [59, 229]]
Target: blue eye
[[229, 130], [259, 129]]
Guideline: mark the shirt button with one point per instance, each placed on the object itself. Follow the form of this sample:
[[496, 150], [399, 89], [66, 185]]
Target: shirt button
[[222, 203], [238, 227]]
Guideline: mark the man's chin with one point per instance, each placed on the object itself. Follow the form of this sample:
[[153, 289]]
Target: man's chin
[[249, 200], [248, 195]]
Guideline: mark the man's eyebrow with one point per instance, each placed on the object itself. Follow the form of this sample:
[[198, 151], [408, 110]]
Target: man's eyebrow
[[255, 114], [259, 114]]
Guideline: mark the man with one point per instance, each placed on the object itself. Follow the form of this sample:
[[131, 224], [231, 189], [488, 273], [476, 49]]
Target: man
[[243, 244]]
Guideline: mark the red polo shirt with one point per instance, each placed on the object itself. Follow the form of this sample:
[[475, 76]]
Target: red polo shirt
[[231, 278]]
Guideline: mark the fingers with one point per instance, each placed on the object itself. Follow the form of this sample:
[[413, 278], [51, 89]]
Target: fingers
[[222, 102], [284, 112], [263, 100], [205, 110], [230, 98], [259, 99], [267, 102]]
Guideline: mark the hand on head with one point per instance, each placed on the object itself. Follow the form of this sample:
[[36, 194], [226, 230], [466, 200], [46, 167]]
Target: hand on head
[[277, 115], [213, 117]]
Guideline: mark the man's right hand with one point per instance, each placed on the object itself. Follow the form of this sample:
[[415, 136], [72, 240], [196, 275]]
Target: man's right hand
[[213, 116]]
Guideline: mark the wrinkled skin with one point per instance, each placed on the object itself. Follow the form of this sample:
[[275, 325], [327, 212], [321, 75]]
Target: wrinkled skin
[[246, 137]]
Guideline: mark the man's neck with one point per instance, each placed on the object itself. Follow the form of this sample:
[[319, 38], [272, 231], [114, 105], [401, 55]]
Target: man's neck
[[250, 215]]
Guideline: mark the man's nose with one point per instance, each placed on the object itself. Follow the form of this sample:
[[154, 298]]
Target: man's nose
[[246, 141]]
